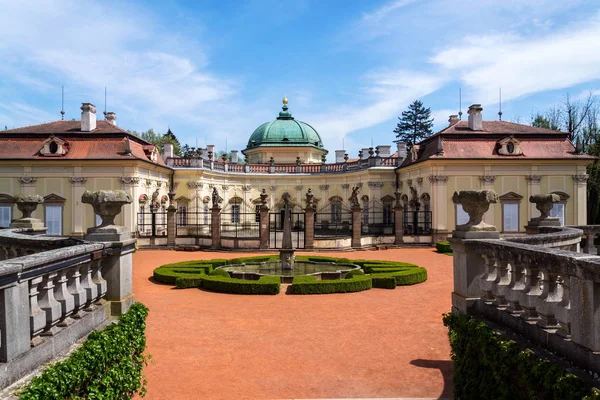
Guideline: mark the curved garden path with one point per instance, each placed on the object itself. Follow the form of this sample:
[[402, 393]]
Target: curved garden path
[[374, 344]]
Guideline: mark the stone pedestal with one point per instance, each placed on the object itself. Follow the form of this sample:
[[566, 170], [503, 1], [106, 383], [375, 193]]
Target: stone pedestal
[[27, 203], [356, 227], [107, 204], [215, 213], [264, 227], [14, 316], [309, 228], [171, 226], [117, 270], [398, 225]]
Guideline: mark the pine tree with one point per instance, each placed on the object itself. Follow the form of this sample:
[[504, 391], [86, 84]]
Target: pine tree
[[415, 124]]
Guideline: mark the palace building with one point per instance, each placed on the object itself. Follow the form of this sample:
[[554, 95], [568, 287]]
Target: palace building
[[402, 196]]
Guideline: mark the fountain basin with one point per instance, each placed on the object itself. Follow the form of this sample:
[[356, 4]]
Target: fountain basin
[[320, 270]]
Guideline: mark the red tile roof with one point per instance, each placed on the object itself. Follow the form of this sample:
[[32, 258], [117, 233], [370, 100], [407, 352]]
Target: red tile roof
[[499, 127], [105, 142]]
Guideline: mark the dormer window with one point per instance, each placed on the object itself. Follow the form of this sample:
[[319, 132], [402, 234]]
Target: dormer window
[[54, 147], [509, 147]]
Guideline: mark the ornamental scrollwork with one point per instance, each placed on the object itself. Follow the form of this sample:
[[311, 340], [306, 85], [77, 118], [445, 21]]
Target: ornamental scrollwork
[[299, 187], [345, 186], [77, 180], [246, 188], [487, 178], [324, 187], [375, 184], [27, 180], [581, 178], [533, 178], [129, 180], [437, 178], [195, 185], [420, 180]]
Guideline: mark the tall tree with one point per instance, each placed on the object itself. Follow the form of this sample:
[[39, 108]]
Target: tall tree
[[158, 140], [415, 124]]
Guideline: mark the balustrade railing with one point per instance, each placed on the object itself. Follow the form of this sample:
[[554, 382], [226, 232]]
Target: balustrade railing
[[283, 168]]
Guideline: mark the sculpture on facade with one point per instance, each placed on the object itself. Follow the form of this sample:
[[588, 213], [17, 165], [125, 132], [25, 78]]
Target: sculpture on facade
[[263, 197], [310, 199], [155, 203], [216, 199], [353, 199]]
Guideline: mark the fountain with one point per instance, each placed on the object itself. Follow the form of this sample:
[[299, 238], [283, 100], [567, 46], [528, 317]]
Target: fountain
[[286, 254], [287, 266]]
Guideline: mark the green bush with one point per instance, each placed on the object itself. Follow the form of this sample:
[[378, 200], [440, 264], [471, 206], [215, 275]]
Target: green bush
[[383, 281], [320, 259], [107, 366], [219, 272], [187, 282], [265, 285], [487, 366], [255, 259], [403, 278], [343, 261], [443, 247], [309, 285], [352, 273], [166, 274]]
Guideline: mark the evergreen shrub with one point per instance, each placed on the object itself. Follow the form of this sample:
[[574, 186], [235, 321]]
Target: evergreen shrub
[[488, 366], [108, 365], [443, 247], [309, 285]]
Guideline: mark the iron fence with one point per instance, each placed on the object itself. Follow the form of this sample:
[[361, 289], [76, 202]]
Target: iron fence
[[276, 230], [378, 222], [238, 225], [329, 224], [194, 224], [151, 224], [417, 223]]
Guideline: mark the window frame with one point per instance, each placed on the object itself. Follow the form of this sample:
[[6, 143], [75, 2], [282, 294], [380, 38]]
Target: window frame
[[61, 216], [10, 213], [511, 202]]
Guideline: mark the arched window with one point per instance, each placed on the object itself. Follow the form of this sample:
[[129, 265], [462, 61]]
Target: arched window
[[182, 215]]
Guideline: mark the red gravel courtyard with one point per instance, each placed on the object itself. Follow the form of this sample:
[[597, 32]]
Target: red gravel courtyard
[[374, 344]]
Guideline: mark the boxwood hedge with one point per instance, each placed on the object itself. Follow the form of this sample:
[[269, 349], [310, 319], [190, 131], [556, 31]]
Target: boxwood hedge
[[309, 285], [443, 247], [204, 274]]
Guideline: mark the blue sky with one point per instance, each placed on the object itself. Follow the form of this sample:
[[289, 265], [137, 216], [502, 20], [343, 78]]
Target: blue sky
[[214, 70]]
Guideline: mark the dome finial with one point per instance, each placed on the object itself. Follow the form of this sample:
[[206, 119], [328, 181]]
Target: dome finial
[[285, 100]]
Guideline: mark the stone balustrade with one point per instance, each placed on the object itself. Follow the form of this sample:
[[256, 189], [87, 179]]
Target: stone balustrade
[[590, 232], [54, 291], [534, 285]]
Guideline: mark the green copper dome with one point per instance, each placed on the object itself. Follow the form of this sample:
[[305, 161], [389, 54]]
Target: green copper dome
[[285, 131]]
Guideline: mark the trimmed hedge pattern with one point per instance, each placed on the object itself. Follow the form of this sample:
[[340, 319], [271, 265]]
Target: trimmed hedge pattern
[[107, 366], [206, 275], [486, 366], [309, 285], [443, 247]]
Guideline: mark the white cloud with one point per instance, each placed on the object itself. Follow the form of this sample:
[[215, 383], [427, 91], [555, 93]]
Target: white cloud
[[383, 11], [523, 66]]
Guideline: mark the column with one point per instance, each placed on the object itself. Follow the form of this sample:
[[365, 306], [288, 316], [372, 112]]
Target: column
[[356, 227], [439, 207], [533, 188], [77, 211], [398, 224], [171, 225], [216, 226], [309, 227], [580, 206], [264, 227]]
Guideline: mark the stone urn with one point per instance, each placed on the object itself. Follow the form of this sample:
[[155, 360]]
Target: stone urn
[[543, 203], [27, 203], [476, 203], [107, 204]]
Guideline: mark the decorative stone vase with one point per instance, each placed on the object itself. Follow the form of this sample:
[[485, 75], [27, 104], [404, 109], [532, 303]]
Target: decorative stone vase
[[544, 203], [475, 203], [107, 204], [27, 203]]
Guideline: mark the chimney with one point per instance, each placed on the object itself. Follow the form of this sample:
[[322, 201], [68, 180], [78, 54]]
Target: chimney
[[339, 156], [475, 118], [88, 117], [365, 153], [167, 149], [211, 147], [384, 150], [234, 156], [402, 152], [453, 119], [111, 118]]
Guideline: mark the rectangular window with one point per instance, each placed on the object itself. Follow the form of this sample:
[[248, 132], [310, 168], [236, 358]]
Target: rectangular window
[[336, 213], [5, 216], [257, 211], [461, 216], [54, 220], [235, 213], [366, 215], [387, 215], [511, 217], [98, 219], [558, 211]]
